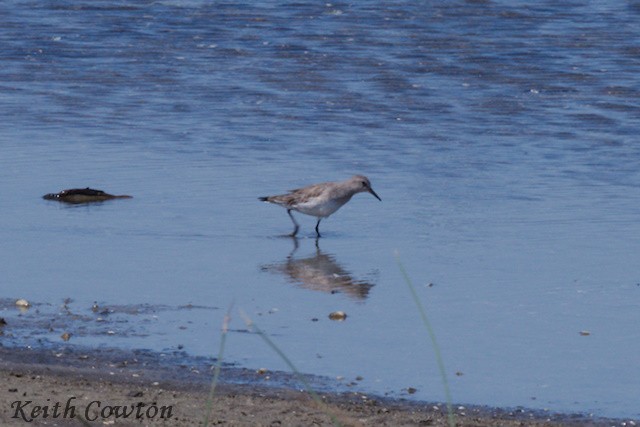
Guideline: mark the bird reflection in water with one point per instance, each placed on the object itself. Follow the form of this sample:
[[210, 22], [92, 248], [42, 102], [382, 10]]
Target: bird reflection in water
[[320, 272]]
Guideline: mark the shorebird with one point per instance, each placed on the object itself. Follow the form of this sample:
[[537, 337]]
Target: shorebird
[[320, 200]]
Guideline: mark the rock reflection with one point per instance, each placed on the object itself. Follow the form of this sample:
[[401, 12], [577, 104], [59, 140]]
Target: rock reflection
[[320, 272]]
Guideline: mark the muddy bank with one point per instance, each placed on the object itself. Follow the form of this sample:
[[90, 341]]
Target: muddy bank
[[71, 386]]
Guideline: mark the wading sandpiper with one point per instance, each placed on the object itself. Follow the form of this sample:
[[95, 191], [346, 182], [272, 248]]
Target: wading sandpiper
[[321, 200]]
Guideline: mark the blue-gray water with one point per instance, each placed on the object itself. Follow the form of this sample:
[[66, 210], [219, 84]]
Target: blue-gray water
[[501, 136]]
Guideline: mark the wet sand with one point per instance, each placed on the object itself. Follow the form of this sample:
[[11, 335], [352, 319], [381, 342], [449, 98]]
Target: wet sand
[[76, 387]]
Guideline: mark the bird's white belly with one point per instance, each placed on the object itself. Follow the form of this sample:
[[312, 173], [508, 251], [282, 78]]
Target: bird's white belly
[[320, 209]]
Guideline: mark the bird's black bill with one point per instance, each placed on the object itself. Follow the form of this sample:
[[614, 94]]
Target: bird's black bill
[[374, 194]]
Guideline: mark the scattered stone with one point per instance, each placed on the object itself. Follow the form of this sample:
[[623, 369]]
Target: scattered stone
[[411, 390], [22, 303], [65, 336], [338, 315]]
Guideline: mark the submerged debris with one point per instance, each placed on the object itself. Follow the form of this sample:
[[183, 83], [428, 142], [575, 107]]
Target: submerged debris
[[585, 333], [65, 336], [82, 195]]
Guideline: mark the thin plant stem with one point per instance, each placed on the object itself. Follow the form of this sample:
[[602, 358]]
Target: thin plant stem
[[434, 342], [218, 365], [299, 376]]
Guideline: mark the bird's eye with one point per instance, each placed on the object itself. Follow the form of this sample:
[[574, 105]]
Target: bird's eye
[[364, 184]]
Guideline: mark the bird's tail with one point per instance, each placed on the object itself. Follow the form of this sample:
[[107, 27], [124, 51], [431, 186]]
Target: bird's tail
[[263, 199]]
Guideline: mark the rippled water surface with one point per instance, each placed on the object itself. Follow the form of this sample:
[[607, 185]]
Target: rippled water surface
[[501, 136]]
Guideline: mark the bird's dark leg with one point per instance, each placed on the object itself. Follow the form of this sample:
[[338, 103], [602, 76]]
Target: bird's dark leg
[[295, 246], [318, 225], [295, 224]]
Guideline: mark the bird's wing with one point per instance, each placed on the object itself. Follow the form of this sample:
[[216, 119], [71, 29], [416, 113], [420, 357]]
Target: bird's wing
[[298, 195], [304, 194]]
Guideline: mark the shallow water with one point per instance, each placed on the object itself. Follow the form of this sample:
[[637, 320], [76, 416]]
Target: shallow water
[[501, 137]]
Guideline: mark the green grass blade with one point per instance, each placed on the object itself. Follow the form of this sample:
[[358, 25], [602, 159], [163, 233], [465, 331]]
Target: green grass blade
[[216, 372], [434, 342], [251, 325]]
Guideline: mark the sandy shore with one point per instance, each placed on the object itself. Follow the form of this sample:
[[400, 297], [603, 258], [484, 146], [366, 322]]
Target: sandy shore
[[75, 387]]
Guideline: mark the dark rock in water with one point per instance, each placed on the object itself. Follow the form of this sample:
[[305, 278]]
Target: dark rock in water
[[82, 195]]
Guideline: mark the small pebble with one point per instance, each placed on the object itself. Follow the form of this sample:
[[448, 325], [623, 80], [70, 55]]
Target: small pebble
[[23, 303], [338, 315]]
